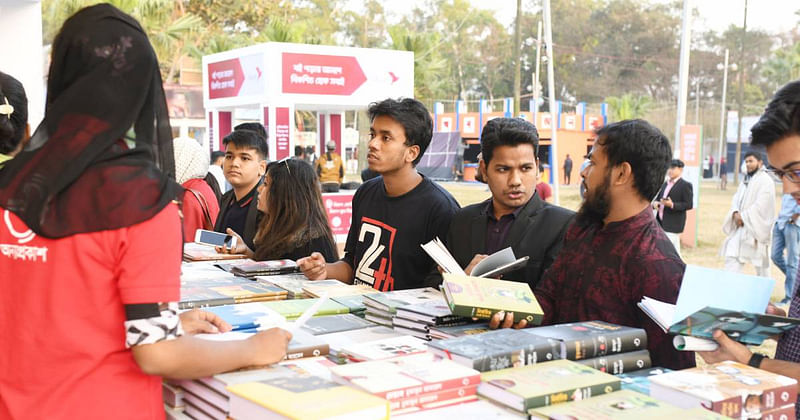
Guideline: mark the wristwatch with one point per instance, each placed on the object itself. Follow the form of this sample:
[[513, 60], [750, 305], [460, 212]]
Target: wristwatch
[[756, 359]]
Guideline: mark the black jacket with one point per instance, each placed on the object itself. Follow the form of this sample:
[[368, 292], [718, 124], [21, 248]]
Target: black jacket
[[537, 232], [682, 200], [251, 221]]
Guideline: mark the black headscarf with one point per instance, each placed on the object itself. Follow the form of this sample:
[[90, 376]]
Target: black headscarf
[[102, 157]]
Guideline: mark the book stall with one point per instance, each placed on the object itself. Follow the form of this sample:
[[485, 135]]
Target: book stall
[[357, 353]]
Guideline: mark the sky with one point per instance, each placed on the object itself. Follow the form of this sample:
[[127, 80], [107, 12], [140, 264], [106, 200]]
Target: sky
[[770, 15]]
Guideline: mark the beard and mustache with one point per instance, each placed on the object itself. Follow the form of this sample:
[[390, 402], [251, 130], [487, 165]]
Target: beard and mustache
[[597, 203]]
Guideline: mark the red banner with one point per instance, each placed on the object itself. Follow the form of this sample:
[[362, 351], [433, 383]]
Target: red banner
[[225, 78], [281, 133], [321, 74], [339, 207]]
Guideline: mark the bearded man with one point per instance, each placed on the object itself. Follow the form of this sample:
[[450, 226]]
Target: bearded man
[[615, 253]]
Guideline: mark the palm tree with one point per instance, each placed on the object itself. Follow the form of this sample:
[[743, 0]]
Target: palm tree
[[629, 106]]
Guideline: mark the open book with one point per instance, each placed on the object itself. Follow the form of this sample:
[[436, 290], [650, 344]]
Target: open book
[[500, 262], [713, 299]]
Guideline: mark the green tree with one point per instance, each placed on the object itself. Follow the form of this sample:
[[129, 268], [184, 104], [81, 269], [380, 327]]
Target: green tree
[[629, 106], [428, 63]]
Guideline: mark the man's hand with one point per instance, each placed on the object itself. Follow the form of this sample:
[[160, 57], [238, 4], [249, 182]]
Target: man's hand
[[506, 320], [475, 260], [240, 248], [737, 219], [774, 310], [667, 202], [202, 322], [728, 350], [313, 266], [269, 346]]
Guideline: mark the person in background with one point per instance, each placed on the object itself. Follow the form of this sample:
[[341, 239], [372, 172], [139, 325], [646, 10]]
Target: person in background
[[786, 237], [14, 129], [748, 224], [311, 155], [515, 216], [330, 169], [778, 130], [567, 169], [215, 169], [200, 206], [245, 163], [674, 198], [542, 188], [299, 152], [616, 253], [90, 204], [294, 224], [723, 174], [394, 213]]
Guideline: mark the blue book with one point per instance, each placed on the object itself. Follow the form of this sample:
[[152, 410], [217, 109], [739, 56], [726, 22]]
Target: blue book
[[248, 317]]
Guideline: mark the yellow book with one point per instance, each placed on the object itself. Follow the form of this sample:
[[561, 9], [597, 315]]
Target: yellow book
[[480, 297], [300, 397]]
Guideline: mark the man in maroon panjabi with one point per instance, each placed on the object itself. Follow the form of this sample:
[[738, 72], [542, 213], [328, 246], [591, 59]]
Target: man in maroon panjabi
[[616, 253]]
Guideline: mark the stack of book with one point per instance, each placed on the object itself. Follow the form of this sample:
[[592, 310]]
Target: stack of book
[[385, 348], [355, 303], [291, 309], [411, 383], [728, 388], [604, 346], [199, 293], [444, 332], [292, 283], [337, 341], [335, 288], [543, 384], [639, 380], [417, 319], [498, 349], [251, 269], [302, 396], [335, 323], [209, 398], [382, 307]]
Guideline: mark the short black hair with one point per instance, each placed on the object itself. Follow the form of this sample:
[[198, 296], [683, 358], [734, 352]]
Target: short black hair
[[643, 146], [781, 118], [676, 163], [12, 126], [216, 155], [298, 151], [247, 139], [507, 132], [258, 128], [754, 154], [412, 115]]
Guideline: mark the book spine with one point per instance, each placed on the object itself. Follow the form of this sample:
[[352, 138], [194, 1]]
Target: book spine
[[311, 351], [616, 364], [418, 401], [571, 394], [603, 344], [205, 303], [778, 397], [520, 357], [731, 407], [434, 387], [783, 413], [172, 395]]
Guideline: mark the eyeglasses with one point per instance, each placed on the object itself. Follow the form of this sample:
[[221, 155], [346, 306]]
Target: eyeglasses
[[285, 161], [792, 175]]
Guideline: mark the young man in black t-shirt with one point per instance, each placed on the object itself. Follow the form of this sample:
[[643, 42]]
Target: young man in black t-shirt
[[394, 213], [244, 165]]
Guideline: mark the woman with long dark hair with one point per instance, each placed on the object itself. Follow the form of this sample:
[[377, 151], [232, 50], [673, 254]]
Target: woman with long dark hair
[[294, 223], [91, 240], [13, 117]]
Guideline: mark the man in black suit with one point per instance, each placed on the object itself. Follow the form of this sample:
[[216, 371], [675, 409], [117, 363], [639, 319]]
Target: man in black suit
[[515, 215], [672, 201]]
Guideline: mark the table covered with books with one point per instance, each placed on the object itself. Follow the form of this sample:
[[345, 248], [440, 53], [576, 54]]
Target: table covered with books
[[429, 354]]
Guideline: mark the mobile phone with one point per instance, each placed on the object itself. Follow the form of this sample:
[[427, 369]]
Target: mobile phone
[[209, 237]]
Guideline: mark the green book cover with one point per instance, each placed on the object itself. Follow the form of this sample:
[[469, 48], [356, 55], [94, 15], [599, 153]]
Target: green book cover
[[354, 303], [481, 298], [542, 384], [292, 309], [622, 405]]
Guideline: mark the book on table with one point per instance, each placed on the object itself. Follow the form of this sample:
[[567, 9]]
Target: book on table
[[639, 380], [620, 405], [712, 299], [198, 252], [584, 340], [443, 332], [411, 381], [384, 348], [434, 312], [292, 309], [499, 263], [251, 268], [335, 323], [728, 388], [387, 303], [482, 298], [618, 363], [335, 288], [543, 384], [354, 338], [226, 291], [293, 283], [495, 350], [303, 397]]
